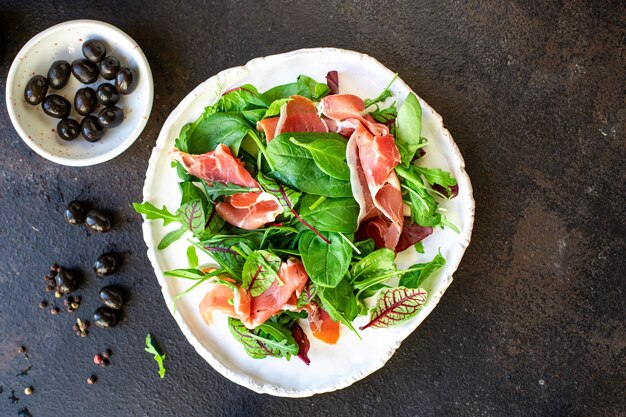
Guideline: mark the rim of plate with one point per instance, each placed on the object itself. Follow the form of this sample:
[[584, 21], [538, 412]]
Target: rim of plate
[[242, 379], [143, 65]]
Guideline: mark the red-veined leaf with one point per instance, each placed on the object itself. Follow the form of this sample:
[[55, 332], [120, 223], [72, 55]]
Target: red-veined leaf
[[395, 305], [259, 271], [191, 214], [307, 294]]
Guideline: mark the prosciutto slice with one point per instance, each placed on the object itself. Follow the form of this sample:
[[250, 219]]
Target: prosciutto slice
[[343, 107], [254, 311], [297, 115], [245, 210], [268, 126]]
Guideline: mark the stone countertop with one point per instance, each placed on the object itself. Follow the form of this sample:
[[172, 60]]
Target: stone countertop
[[534, 322]]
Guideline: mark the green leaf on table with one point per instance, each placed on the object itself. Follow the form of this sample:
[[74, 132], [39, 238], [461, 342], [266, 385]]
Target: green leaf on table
[[396, 305], [259, 271], [153, 213], [326, 264], [332, 214], [158, 356], [415, 278]]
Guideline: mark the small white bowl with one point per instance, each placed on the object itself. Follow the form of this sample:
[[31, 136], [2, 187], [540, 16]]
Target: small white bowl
[[64, 41]]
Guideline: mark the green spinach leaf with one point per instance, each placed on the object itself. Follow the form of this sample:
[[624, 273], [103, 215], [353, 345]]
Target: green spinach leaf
[[326, 264], [340, 303], [331, 215], [414, 279], [329, 153], [304, 86], [409, 127]]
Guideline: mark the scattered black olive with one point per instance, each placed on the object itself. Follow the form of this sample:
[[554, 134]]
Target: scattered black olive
[[36, 89], [105, 317], [91, 129], [109, 67], [56, 106], [111, 297], [126, 80], [85, 101], [75, 212], [59, 74], [107, 94], [98, 221], [68, 129], [85, 71], [94, 50], [110, 117], [106, 264], [67, 280]]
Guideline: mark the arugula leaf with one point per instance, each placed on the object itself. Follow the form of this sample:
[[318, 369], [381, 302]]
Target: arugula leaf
[[274, 108], [409, 127], [331, 215], [187, 273], [385, 94], [436, 176], [415, 278], [326, 264], [423, 205], [153, 213], [218, 189], [259, 271], [220, 248], [171, 237], [268, 339], [329, 153], [295, 166], [158, 357], [386, 115], [192, 257], [396, 305]]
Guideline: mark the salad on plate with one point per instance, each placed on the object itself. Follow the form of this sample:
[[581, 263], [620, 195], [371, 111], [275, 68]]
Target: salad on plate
[[302, 196]]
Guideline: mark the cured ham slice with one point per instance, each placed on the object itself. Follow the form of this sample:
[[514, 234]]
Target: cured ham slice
[[246, 210], [343, 107], [249, 210], [218, 165], [299, 115], [268, 126], [254, 311], [322, 325]]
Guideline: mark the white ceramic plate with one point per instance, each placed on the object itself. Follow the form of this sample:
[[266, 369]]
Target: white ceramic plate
[[332, 366], [64, 41]]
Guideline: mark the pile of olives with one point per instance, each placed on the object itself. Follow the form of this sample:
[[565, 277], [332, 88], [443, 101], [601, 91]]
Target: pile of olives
[[78, 212], [110, 296], [86, 71]]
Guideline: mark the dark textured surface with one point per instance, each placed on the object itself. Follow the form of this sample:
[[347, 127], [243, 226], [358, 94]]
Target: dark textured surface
[[534, 323]]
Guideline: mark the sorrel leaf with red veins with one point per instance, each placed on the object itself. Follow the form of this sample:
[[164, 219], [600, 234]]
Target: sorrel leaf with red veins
[[308, 293], [220, 248], [191, 214], [396, 305], [259, 272], [287, 197]]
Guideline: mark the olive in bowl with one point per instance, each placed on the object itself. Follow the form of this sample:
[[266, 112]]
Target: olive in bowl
[[35, 90], [59, 74], [109, 67], [85, 71], [106, 264], [107, 95], [85, 101], [91, 129], [56, 106], [68, 129], [110, 117], [94, 50], [126, 80]]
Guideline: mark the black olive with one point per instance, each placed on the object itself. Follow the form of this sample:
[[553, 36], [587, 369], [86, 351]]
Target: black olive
[[106, 264], [68, 129], [85, 71], [67, 280], [56, 106], [35, 90], [111, 116], [85, 101], [107, 94], [98, 221], [109, 67], [91, 129], [59, 74], [111, 297], [126, 80], [76, 212], [94, 50], [105, 317]]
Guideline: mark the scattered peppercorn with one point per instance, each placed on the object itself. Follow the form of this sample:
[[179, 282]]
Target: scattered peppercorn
[[54, 311], [21, 349], [107, 353], [92, 380], [97, 359], [43, 304], [57, 294], [49, 287], [105, 362], [72, 303], [28, 390], [55, 267]]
